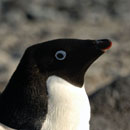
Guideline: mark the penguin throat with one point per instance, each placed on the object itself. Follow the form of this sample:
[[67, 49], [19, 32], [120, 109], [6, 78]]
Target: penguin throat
[[68, 106]]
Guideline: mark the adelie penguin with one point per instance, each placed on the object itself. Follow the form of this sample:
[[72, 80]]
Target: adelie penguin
[[46, 92]]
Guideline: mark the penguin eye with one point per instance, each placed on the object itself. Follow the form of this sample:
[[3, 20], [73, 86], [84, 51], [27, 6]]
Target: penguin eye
[[60, 55]]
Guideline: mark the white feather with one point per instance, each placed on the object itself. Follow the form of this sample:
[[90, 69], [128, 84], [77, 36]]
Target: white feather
[[68, 106], [4, 127]]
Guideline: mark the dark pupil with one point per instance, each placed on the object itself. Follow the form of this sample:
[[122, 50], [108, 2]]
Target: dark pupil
[[60, 55]]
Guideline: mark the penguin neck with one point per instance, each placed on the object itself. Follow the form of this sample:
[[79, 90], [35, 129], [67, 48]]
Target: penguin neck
[[68, 106], [24, 101]]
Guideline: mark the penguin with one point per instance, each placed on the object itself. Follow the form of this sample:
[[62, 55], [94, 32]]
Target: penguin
[[4, 127], [46, 91]]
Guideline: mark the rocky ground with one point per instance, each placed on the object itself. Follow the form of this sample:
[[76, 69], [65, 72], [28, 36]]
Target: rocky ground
[[26, 22], [111, 106]]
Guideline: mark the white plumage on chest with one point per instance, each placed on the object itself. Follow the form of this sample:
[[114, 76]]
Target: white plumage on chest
[[4, 127], [68, 106]]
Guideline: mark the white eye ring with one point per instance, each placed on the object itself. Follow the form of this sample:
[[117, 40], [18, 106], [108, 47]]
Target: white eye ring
[[60, 55]]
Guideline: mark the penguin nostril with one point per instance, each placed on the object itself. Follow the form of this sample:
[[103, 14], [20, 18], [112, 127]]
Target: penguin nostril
[[104, 44]]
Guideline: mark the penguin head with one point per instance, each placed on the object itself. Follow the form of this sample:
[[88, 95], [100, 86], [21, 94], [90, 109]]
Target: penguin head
[[66, 58], [26, 92]]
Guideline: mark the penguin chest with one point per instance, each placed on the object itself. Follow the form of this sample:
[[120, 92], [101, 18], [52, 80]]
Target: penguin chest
[[68, 106], [4, 127]]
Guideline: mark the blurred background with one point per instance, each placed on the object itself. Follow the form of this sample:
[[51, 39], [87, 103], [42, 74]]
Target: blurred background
[[26, 22]]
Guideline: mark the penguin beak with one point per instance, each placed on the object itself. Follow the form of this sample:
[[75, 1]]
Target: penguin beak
[[104, 44]]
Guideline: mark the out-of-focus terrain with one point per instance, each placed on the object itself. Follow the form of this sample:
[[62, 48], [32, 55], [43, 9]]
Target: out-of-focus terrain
[[26, 22]]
